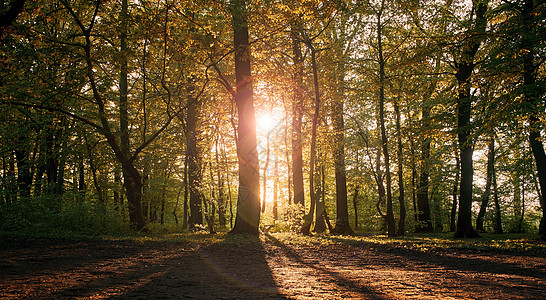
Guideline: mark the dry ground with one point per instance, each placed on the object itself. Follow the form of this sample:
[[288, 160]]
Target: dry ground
[[271, 267]]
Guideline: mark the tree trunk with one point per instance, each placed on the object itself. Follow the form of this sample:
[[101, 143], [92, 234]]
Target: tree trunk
[[24, 176], [413, 182], [118, 198], [424, 222], [391, 226], [532, 96], [276, 188], [132, 181], [342, 225], [453, 215], [221, 191], [402, 221], [185, 221], [489, 180], [320, 217], [355, 198], [515, 176], [131, 176], [266, 165], [314, 195], [81, 175], [464, 68], [195, 176], [498, 220], [297, 108], [248, 202]]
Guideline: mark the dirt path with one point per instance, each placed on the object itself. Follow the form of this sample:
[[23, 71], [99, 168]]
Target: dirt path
[[268, 268]]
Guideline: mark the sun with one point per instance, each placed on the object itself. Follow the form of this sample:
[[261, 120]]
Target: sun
[[266, 122]]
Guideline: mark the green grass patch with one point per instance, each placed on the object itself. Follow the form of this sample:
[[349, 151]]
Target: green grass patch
[[446, 241]]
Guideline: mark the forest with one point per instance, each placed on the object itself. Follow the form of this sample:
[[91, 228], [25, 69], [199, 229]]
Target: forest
[[272, 149], [380, 117]]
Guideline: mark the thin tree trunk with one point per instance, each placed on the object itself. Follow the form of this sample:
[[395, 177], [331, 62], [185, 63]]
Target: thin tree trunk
[[520, 221], [402, 221], [288, 162], [309, 216], [297, 108], [355, 205], [498, 220], [266, 165], [276, 188], [453, 215], [391, 226], [221, 191], [186, 194], [413, 182], [489, 180], [195, 176]]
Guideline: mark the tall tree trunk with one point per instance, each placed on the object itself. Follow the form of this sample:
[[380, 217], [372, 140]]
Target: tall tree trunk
[[288, 162], [391, 226], [488, 182], [194, 160], [424, 223], [532, 97], [515, 176], [401, 230], [131, 176], [342, 225], [308, 219], [248, 202], [297, 108], [464, 68], [413, 182]]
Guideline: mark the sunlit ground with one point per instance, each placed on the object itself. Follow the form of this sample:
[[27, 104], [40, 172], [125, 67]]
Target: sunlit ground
[[273, 266]]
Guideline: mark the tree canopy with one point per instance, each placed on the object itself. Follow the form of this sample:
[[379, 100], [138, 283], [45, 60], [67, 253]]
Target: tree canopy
[[342, 116]]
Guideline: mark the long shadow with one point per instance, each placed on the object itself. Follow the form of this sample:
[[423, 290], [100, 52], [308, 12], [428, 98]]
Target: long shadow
[[234, 268], [464, 268], [341, 281], [451, 261]]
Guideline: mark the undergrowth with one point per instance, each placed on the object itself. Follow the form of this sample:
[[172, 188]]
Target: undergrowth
[[415, 242]]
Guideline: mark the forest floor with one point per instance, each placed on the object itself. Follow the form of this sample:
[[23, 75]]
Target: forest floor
[[273, 266]]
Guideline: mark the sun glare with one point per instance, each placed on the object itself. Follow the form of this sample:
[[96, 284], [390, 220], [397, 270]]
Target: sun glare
[[266, 122]]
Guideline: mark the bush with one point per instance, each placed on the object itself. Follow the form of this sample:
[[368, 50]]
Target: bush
[[71, 213]]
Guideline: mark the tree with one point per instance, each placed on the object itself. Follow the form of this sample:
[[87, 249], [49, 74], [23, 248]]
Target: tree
[[297, 114], [465, 65], [248, 202], [489, 181]]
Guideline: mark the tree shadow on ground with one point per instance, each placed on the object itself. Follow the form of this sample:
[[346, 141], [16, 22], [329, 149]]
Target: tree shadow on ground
[[233, 268], [335, 278]]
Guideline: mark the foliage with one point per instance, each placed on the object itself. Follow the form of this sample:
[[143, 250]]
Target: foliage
[[63, 165]]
